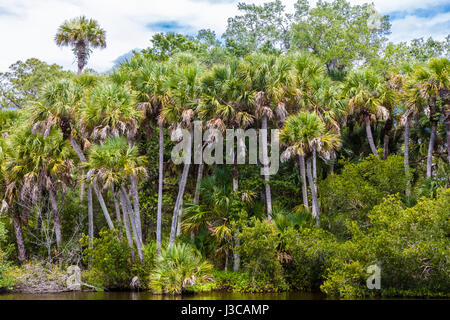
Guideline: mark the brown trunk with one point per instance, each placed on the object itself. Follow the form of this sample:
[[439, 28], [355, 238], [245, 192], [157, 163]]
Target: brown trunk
[[21, 253]]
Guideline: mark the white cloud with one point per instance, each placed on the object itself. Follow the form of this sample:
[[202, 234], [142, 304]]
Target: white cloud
[[30, 30], [412, 27]]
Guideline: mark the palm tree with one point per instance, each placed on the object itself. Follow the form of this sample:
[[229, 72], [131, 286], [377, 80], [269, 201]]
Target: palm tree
[[364, 90], [60, 106], [153, 96], [115, 163], [270, 78], [82, 34], [184, 91], [433, 83], [111, 111], [303, 132]]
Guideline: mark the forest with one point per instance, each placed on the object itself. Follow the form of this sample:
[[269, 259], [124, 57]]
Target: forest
[[86, 176]]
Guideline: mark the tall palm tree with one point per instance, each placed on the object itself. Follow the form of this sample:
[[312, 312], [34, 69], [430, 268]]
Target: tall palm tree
[[303, 133], [60, 105], [270, 78], [184, 90], [153, 96], [111, 110], [115, 163], [434, 83], [83, 35], [364, 88]]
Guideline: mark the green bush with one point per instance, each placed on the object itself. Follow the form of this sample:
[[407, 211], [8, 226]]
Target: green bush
[[244, 282], [179, 268], [258, 252], [109, 260], [411, 245], [5, 280], [306, 255], [351, 194]]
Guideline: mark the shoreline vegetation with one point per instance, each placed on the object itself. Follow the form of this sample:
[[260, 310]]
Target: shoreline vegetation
[[86, 178]]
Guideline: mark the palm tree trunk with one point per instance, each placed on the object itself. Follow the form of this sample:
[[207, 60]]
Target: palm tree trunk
[[129, 208], [90, 217], [126, 224], [406, 155], [430, 149], [266, 166], [160, 189], [447, 130], [56, 217], [180, 214], [237, 243], [181, 188], [199, 180], [370, 136], [304, 184], [312, 186], [387, 130], [116, 203], [82, 190], [236, 258], [21, 253], [82, 158], [137, 215]]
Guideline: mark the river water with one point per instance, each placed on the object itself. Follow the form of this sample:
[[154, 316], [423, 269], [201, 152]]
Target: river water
[[149, 296]]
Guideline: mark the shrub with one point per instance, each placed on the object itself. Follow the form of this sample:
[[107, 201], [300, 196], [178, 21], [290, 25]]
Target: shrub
[[179, 268], [307, 254], [258, 253], [109, 260], [411, 246], [5, 280], [351, 194]]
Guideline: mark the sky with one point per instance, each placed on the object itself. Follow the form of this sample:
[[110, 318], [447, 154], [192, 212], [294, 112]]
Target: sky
[[28, 27]]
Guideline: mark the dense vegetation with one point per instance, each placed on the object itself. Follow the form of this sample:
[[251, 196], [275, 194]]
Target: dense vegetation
[[86, 176]]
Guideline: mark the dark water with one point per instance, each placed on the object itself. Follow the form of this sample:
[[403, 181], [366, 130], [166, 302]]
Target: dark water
[[150, 296]]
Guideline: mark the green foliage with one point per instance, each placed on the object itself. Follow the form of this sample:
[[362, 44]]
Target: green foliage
[[5, 280], [109, 260], [411, 246], [353, 192], [306, 254], [258, 251], [23, 81], [179, 268], [245, 282]]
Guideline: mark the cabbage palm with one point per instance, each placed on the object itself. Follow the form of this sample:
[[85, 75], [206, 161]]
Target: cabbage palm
[[153, 96], [111, 111], [364, 89], [184, 90], [115, 162], [270, 78], [82, 34], [60, 106], [434, 83], [303, 132]]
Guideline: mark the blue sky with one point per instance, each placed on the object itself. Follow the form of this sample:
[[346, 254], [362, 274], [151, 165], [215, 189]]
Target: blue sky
[[27, 27]]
